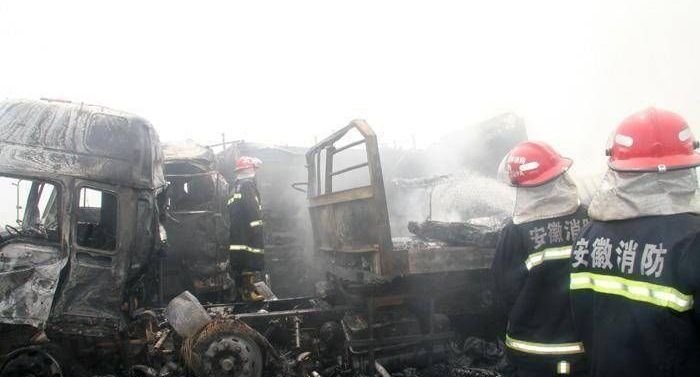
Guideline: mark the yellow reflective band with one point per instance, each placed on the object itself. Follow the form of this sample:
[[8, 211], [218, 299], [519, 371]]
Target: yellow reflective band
[[245, 248], [563, 367], [233, 198], [554, 253], [634, 290], [544, 348], [256, 223]]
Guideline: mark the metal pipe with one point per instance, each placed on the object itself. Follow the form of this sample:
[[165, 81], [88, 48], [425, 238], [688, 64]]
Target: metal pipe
[[224, 143], [431, 327], [17, 206], [191, 212], [354, 167], [370, 328], [330, 152], [318, 190], [162, 339], [381, 370], [191, 175], [297, 331], [344, 147]]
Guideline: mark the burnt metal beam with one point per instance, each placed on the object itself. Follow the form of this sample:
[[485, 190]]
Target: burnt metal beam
[[349, 168]]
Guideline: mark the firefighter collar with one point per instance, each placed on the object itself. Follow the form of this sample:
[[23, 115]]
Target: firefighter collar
[[553, 199], [630, 195]]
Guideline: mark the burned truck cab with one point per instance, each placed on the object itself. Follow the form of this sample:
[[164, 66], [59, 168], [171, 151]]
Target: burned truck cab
[[198, 225], [79, 207]]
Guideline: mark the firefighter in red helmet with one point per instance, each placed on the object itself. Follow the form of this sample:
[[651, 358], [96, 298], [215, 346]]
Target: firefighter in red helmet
[[635, 271], [531, 268], [246, 233]]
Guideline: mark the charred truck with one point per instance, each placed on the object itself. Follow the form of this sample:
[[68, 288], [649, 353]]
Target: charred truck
[[407, 299], [81, 277], [81, 228]]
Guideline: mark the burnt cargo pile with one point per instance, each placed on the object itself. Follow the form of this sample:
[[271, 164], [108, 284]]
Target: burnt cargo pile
[[105, 239], [472, 233]]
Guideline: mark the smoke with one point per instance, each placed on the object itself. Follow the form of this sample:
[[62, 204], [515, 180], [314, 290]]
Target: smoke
[[470, 157], [459, 197], [470, 195]]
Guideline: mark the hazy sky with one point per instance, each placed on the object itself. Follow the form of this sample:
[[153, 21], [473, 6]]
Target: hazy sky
[[288, 71]]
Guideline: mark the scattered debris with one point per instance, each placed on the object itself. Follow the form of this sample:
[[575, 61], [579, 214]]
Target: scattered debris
[[470, 233]]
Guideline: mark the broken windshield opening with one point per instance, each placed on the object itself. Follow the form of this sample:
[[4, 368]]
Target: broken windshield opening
[[191, 193], [29, 208]]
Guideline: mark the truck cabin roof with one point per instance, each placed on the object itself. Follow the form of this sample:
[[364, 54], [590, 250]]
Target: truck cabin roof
[[188, 157], [48, 138]]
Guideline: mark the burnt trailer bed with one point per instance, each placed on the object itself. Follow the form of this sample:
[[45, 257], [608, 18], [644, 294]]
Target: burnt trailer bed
[[350, 219], [404, 292]]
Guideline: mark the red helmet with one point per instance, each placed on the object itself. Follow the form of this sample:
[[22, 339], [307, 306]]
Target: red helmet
[[652, 140], [533, 163], [245, 162]]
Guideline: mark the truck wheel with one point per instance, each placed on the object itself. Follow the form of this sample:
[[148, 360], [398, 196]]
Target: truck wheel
[[31, 362], [221, 349]]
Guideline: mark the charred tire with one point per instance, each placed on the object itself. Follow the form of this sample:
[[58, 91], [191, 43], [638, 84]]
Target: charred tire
[[31, 362], [221, 349]]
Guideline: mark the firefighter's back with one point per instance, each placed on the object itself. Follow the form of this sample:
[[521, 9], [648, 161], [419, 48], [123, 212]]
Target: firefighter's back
[[632, 287]]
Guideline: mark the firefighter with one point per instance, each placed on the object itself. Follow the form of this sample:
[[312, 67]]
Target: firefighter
[[531, 269], [246, 238], [635, 271]]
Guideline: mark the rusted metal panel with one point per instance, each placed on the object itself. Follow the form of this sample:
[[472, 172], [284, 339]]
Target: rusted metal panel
[[359, 193], [353, 221], [448, 259]]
